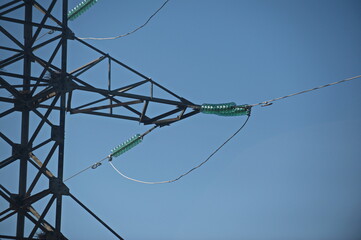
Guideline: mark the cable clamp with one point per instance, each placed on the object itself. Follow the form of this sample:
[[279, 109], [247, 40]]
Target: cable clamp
[[96, 165], [248, 109], [266, 104]]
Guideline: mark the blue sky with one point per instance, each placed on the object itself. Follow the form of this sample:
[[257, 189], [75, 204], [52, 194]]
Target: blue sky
[[292, 173]]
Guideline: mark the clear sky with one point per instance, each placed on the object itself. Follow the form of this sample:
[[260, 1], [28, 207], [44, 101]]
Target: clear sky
[[294, 170]]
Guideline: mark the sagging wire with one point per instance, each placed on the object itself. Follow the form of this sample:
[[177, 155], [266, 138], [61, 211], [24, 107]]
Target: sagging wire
[[219, 109], [111, 38], [189, 171], [126, 34], [270, 102]]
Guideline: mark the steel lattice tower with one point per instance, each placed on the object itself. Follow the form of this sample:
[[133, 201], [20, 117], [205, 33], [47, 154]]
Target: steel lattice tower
[[38, 90]]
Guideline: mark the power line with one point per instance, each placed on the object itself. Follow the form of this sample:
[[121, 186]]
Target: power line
[[133, 31], [191, 170], [269, 102], [93, 166], [264, 103]]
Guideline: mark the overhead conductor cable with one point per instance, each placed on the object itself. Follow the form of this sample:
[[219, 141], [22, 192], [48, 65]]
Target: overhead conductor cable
[[269, 102], [230, 109], [126, 34], [224, 109]]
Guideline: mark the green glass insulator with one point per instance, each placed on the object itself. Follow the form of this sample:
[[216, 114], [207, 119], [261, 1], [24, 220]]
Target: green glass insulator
[[236, 111], [126, 146], [80, 9], [225, 109], [217, 108]]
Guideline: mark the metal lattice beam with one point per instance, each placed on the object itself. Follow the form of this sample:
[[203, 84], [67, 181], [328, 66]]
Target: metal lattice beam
[[48, 96]]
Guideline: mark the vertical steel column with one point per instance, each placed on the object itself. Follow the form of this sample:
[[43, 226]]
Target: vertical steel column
[[62, 112], [25, 117], [110, 82]]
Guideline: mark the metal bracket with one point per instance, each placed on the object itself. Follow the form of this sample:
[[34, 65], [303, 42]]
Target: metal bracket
[[70, 34], [24, 103], [16, 202], [59, 83], [19, 150], [57, 134], [56, 186], [51, 235]]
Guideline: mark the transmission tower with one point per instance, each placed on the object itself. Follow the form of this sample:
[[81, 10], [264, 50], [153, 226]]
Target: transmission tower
[[37, 90]]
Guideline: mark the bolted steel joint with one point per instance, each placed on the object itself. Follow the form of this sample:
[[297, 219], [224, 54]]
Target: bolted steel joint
[[57, 187]]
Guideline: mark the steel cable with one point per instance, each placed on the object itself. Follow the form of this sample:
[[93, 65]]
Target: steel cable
[[269, 102], [126, 34], [93, 166]]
